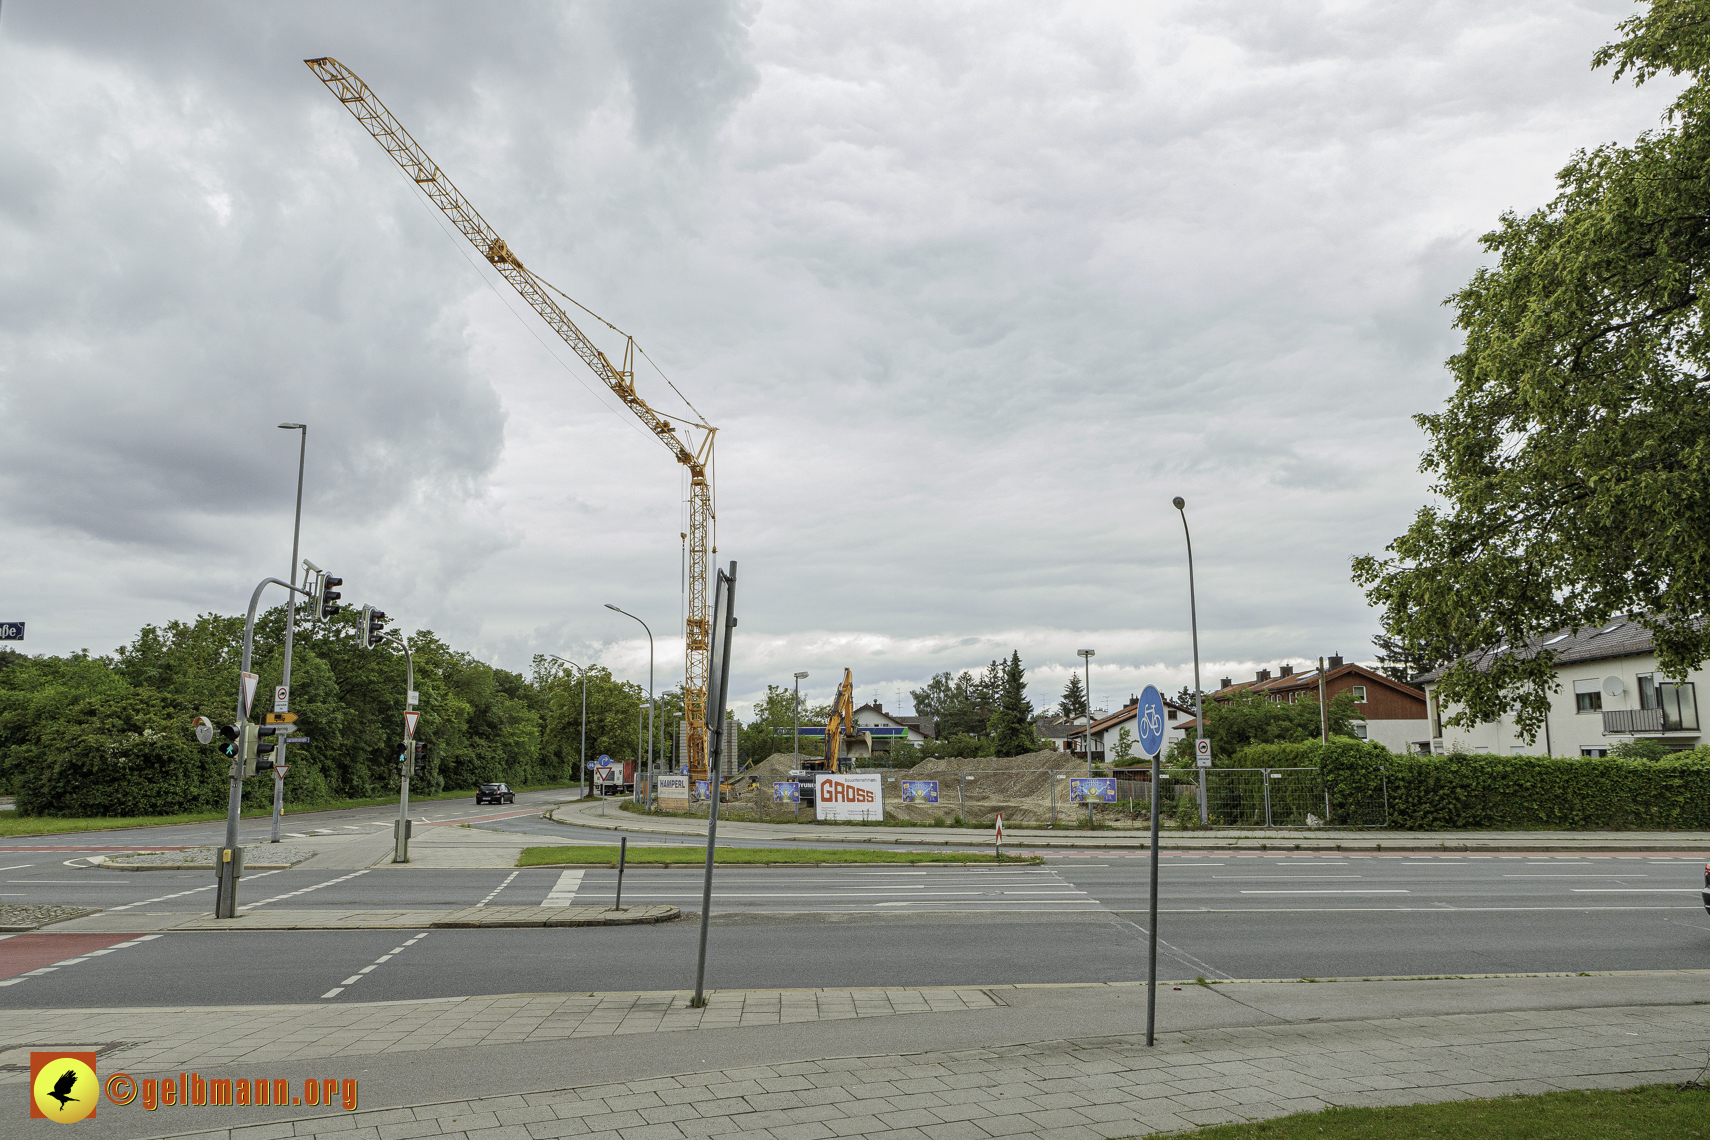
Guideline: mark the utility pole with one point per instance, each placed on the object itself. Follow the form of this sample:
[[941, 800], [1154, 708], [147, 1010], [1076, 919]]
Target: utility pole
[[1323, 711], [1198, 698], [401, 845], [290, 627], [644, 626], [229, 859], [582, 763], [1086, 656], [796, 724]]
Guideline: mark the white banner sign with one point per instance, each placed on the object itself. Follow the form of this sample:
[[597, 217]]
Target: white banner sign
[[674, 793], [849, 797]]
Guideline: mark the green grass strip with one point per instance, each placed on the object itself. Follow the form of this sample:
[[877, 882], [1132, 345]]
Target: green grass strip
[[1655, 1112], [53, 825], [557, 856]]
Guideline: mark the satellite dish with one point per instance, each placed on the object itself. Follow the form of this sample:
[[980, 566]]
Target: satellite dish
[[1613, 687]]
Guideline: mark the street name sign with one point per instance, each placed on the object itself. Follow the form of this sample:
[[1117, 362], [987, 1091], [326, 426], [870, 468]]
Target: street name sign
[[11, 631]]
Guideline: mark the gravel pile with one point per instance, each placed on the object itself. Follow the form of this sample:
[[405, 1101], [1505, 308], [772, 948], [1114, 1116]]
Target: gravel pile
[[203, 857], [1017, 786], [28, 917]]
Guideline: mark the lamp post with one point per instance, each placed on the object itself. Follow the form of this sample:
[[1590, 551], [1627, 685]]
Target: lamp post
[[1193, 619], [582, 763], [290, 622], [796, 723], [1086, 656], [627, 614]]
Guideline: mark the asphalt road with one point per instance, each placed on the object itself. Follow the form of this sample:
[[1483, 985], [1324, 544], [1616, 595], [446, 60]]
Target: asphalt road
[[1079, 918]]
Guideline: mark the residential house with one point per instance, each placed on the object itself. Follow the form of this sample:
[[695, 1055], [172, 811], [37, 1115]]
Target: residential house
[[881, 729], [1107, 729], [1609, 691], [1391, 712]]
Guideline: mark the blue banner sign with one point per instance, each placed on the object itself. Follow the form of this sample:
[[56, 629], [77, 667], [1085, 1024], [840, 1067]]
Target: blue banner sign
[[920, 791], [786, 792], [11, 631], [1098, 790], [702, 789]]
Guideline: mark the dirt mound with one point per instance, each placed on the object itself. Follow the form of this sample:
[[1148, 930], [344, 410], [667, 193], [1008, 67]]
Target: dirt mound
[[1018, 786]]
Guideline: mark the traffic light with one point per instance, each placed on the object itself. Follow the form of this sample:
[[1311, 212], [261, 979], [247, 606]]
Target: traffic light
[[263, 761], [229, 749], [330, 596], [421, 760], [248, 745], [374, 622]]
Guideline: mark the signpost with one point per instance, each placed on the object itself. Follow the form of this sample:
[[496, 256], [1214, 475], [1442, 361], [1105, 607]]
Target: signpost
[[1150, 720]]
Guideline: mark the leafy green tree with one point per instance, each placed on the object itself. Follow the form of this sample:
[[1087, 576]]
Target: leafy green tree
[[1124, 750], [1253, 718], [1571, 456]]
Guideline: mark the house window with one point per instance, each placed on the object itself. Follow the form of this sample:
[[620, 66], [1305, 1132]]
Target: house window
[[1678, 702], [1359, 692], [1359, 728], [1170, 714], [1587, 696], [1594, 751]]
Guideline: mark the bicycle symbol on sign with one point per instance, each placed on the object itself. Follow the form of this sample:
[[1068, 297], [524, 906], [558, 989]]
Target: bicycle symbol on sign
[[1151, 724]]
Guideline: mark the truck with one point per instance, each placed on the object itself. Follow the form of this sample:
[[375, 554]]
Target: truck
[[613, 777]]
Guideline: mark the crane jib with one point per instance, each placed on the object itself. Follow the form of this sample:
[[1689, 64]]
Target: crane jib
[[367, 109]]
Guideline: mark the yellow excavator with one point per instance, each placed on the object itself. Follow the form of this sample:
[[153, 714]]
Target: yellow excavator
[[837, 726]]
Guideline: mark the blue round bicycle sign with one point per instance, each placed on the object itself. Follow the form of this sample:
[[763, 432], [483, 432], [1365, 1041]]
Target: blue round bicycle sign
[[1149, 721]]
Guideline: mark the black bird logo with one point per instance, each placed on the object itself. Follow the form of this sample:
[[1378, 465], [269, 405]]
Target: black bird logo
[[63, 1086]]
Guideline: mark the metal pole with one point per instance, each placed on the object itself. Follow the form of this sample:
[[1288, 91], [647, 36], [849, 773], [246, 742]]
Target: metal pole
[[1152, 918], [715, 757], [622, 856], [290, 625], [1323, 709], [644, 626], [230, 857], [1265, 775], [1086, 656], [1193, 618], [1053, 774], [401, 842]]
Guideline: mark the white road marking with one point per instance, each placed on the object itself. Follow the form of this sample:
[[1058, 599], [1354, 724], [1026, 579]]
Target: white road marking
[[1346, 891], [1634, 890], [498, 888], [181, 894], [137, 941], [360, 974], [17, 867], [305, 890], [564, 891]]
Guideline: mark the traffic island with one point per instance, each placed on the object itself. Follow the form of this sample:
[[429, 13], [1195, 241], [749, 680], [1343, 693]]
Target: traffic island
[[18, 918], [465, 918]]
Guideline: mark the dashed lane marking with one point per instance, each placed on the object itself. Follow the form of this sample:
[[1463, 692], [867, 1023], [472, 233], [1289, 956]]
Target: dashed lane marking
[[363, 973], [83, 957], [498, 888], [304, 890], [181, 894]]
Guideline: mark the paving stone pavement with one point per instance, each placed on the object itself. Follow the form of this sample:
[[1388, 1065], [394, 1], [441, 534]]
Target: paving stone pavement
[[1079, 1090], [185, 1038]]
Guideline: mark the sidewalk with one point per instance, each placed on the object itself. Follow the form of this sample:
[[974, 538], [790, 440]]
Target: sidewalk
[[589, 814], [1272, 1059]]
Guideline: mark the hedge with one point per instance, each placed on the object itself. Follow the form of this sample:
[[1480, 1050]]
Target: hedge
[[1429, 793]]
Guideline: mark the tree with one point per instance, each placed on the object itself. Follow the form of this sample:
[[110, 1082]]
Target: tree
[[1074, 702], [1400, 661], [1124, 747], [1571, 456], [1253, 718], [1012, 723]]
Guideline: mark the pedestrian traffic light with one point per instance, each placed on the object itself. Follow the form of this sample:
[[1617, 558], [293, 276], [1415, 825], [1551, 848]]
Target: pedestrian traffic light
[[248, 744], [231, 733], [330, 596], [374, 622]]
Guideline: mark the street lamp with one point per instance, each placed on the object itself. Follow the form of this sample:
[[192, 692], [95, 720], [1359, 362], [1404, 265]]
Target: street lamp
[[582, 764], [1086, 656], [627, 614], [290, 622], [1193, 618], [796, 722]]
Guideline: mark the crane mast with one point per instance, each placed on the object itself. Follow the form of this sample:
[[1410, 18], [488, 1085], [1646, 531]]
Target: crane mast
[[361, 101]]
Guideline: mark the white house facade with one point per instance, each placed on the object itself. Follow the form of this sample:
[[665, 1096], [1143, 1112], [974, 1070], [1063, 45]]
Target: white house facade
[[1609, 690]]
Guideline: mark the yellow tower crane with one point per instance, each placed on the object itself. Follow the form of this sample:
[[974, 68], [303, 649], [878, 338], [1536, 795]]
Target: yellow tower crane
[[696, 456]]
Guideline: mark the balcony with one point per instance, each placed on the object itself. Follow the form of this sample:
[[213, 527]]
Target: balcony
[[1628, 722]]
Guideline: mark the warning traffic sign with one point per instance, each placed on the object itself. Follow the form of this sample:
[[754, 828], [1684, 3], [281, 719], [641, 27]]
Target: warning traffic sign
[[246, 684]]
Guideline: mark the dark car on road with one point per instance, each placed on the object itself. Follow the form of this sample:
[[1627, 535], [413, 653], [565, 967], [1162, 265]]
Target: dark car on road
[[495, 794]]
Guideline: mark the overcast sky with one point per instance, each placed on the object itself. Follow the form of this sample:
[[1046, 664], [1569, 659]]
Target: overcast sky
[[970, 291]]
